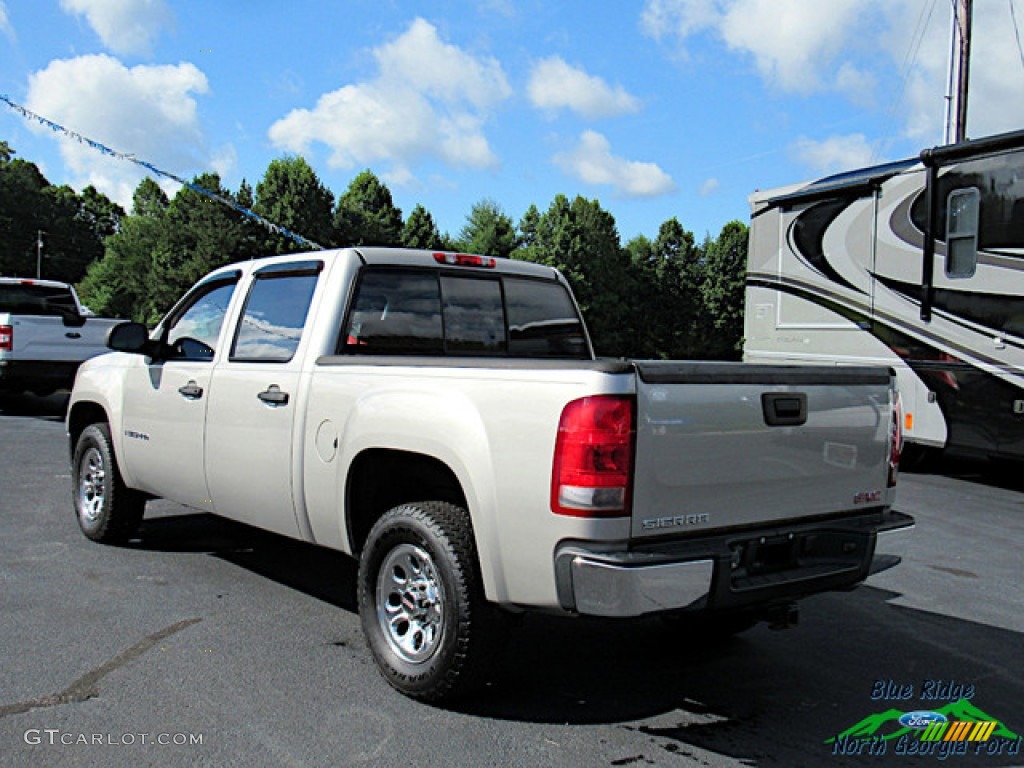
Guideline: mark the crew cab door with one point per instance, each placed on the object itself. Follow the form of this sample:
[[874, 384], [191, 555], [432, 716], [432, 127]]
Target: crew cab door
[[251, 419], [165, 399]]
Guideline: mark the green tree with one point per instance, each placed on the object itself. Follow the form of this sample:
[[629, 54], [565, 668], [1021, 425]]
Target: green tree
[[648, 297], [292, 196], [526, 235], [23, 209], [48, 229], [366, 214], [678, 269], [420, 231], [722, 291], [253, 235], [117, 285], [488, 231], [163, 248], [580, 239], [197, 234], [149, 199]]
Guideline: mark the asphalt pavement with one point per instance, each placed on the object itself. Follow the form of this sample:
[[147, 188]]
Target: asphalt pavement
[[210, 643]]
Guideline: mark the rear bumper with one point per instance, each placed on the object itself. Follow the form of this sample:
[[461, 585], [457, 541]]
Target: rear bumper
[[741, 570]]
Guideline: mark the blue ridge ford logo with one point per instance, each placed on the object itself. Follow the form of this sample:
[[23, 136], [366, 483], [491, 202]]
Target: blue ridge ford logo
[[921, 719]]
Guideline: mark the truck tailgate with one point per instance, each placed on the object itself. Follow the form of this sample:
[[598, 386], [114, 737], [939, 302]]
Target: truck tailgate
[[47, 338], [724, 445]]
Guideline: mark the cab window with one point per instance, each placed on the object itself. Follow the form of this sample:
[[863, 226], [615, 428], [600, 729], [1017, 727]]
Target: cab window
[[274, 316], [194, 331]]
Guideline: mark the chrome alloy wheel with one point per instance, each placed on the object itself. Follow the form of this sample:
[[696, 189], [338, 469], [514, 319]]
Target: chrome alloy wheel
[[92, 474], [410, 603]]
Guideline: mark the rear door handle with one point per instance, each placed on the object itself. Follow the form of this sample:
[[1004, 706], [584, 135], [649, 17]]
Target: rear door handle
[[73, 335], [191, 390], [273, 395]]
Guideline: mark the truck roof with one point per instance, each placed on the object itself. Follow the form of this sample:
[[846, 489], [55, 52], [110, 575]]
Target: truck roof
[[408, 257], [32, 281]]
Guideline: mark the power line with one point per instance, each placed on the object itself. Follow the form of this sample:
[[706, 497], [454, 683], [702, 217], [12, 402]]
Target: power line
[[1016, 32], [909, 61], [57, 128]]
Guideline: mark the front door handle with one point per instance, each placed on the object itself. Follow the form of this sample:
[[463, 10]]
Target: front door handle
[[273, 395], [191, 390]]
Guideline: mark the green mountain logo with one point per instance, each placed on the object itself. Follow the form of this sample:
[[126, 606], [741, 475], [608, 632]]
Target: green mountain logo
[[886, 725]]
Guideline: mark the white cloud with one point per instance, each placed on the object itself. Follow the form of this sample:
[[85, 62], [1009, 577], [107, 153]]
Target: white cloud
[[997, 74], [148, 111], [860, 49], [709, 187], [124, 26], [556, 85], [224, 160], [429, 99], [437, 69], [834, 154], [5, 22], [792, 41], [592, 162], [678, 18], [858, 85]]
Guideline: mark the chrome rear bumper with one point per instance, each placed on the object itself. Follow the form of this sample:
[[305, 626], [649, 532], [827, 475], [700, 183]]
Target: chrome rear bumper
[[728, 571]]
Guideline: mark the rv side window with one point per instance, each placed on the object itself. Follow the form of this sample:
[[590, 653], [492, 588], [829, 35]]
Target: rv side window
[[962, 232]]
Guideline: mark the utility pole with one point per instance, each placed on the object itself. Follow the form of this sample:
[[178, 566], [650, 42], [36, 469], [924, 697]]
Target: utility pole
[[960, 71]]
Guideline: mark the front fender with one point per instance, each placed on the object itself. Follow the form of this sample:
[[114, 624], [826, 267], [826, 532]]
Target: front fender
[[97, 396]]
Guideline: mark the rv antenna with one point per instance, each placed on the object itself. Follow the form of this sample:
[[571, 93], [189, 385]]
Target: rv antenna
[[959, 71]]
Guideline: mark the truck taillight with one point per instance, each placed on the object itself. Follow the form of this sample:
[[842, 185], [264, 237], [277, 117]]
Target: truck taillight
[[592, 472], [6, 338], [895, 439], [465, 260]]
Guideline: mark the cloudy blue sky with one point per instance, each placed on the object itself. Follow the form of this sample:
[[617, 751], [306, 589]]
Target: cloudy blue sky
[[658, 108]]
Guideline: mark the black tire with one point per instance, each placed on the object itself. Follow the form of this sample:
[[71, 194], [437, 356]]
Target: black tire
[[422, 604], [107, 510]]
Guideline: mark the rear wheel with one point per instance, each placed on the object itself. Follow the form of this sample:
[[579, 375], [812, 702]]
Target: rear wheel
[[107, 510], [421, 601]]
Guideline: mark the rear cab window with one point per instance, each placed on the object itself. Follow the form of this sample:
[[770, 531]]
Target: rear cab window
[[275, 313], [28, 298], [407, 311]]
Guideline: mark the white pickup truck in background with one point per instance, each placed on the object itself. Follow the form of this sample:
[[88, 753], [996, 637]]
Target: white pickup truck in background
[[45, 334], [442, 418]]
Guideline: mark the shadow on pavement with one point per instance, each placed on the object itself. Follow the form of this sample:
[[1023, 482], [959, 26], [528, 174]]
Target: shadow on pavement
[[997, 473], [764, 698], [321, 573], [50, 408]]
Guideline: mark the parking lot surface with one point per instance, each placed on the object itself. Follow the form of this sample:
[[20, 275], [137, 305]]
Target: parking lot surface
[[206, 642]]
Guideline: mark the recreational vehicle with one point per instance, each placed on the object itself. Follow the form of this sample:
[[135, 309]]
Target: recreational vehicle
[[918, 265]]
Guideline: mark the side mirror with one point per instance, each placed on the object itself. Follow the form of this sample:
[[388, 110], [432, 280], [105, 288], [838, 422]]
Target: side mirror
[[130, 337]]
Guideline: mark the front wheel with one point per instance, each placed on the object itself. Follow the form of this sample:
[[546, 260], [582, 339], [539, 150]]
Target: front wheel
[[421, 601], [107, 510]]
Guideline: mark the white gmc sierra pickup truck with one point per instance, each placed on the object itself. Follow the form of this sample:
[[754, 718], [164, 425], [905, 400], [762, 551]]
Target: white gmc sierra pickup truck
[[442, 418], [45, 334]]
